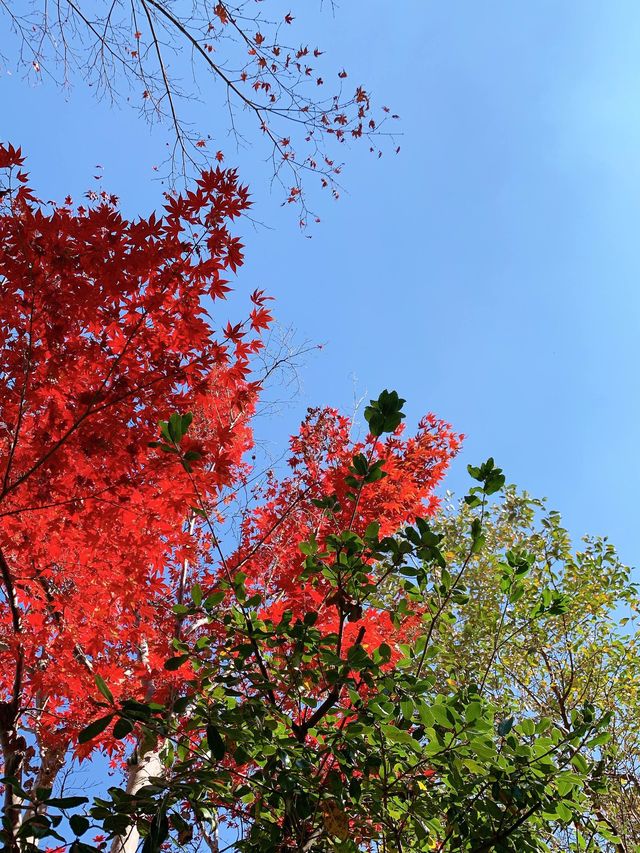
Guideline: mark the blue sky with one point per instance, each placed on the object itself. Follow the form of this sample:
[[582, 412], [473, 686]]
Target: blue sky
[[489, 272]]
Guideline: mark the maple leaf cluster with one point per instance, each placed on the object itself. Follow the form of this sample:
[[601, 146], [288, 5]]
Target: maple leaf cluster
[[105, 332]]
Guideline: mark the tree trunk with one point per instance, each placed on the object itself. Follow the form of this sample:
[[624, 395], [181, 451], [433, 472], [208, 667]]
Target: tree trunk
[[13, 748], [51, 762], [142, 767]]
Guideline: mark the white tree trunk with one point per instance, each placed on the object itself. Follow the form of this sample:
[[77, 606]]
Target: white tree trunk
[[142, 768], [144, 765]]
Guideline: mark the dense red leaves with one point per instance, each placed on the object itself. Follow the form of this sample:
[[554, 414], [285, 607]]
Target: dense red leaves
[[103, 333], [321, 456]]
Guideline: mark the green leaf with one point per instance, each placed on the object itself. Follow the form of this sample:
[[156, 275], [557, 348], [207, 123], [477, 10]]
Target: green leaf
[[472, 501], [122, 728], [598, 740], [494, 483], [384, 650], [175, 663], [196, 594], [473, 711], [102, 687], [215, 742], [407, 709], [66, 802], [175, 427], [181, 704], [400, 736], [357, 657], [158, 833], [38, 826], [79, 824], [94, 729], [373, 530], [527, 727], [442, 715], [14, 784], [505, 726], [477, 538], [214, 599], [483, 748]]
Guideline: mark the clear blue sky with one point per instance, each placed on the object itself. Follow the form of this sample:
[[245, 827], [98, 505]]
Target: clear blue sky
[[489, 272]]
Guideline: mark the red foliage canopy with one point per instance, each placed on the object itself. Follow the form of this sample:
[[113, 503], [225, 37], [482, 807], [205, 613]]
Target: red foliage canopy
[[321, 459], [105, 333]]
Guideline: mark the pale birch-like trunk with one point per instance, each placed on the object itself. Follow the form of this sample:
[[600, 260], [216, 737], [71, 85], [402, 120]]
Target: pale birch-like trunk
[[51, 762], [143, 766], [13, 748]]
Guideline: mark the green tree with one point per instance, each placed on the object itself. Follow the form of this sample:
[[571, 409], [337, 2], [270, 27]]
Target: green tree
[[547, 668]]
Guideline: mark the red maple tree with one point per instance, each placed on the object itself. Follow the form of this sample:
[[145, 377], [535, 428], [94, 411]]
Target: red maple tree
[[105, 332], [294, 509]]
